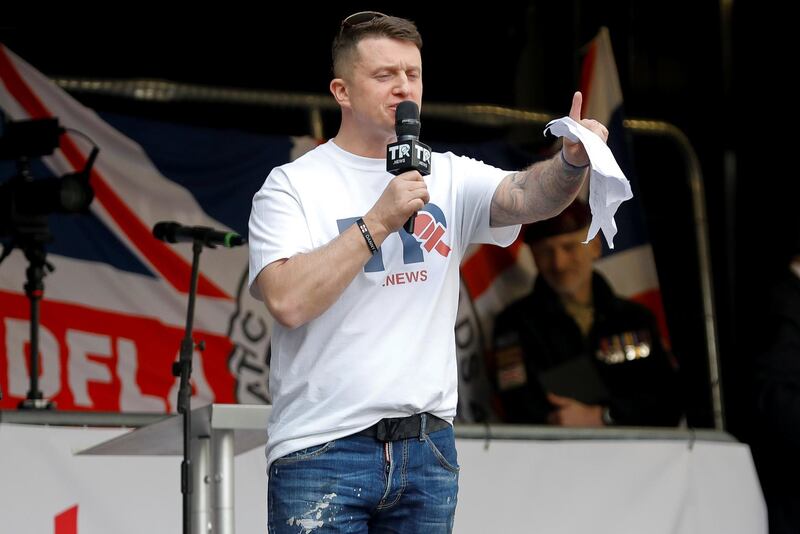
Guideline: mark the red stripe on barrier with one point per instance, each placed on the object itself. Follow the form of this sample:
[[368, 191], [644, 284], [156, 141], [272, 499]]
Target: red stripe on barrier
[[67, 521]]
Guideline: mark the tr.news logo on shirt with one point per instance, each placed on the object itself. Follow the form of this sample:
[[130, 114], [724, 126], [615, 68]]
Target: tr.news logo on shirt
[[429, 233]]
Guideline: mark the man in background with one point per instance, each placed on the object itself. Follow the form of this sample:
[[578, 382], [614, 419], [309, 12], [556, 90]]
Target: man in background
[[572, 353]]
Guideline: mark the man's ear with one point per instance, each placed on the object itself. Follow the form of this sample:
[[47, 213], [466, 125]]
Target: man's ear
[[340, 92]]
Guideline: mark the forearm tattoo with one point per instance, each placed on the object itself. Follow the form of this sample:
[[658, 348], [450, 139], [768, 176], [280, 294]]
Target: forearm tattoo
[[539, 192]]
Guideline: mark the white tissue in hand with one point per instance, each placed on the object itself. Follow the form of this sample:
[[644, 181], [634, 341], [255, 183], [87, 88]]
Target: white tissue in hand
[[608, 187]]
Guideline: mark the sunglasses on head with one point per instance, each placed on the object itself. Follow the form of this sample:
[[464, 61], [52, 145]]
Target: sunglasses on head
[[360, 18]]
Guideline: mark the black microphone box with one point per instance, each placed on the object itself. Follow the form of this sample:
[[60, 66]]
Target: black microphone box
[[408, 155]]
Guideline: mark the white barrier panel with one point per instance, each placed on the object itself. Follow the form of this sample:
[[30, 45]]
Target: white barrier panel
[[615, 487], [41, 479], [642, 486]]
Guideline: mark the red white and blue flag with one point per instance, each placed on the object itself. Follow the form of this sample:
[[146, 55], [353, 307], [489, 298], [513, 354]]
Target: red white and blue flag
[[114, 309]]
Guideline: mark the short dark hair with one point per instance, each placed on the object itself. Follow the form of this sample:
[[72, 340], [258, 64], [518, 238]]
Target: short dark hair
[[369, 24]]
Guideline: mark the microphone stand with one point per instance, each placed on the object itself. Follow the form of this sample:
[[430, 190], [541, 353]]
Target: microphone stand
[[34, 289], [32, 242], [183, 369]]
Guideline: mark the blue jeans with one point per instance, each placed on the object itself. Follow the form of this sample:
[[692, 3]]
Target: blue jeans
[[359, 484]]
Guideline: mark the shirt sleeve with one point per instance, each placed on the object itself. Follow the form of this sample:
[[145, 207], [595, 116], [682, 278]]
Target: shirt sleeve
[[277, 228], [477, 183]]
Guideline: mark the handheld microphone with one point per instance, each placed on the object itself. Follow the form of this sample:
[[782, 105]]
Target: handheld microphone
[[173, 232], [408, 153]]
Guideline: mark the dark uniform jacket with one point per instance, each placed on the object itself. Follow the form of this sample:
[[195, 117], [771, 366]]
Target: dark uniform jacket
[[776, 444], [535, 334]]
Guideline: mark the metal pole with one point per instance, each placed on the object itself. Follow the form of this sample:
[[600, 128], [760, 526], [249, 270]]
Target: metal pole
[[703, 252], [183, 369], [222, 451], [201, 514]]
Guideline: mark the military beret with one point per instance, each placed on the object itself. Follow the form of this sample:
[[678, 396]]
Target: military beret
[[575, 217]]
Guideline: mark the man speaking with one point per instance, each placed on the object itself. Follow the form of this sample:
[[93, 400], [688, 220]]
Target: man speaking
[[363, 369]]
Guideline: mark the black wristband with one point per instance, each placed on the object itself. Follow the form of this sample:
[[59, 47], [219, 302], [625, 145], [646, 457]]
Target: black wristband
[[367, 236], [569, 165]]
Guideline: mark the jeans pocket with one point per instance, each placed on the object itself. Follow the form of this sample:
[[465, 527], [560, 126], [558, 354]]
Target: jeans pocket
[[305, 454], [446, 448]]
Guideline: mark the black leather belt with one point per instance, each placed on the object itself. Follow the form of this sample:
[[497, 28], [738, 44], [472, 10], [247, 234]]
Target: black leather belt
[[394, 428]]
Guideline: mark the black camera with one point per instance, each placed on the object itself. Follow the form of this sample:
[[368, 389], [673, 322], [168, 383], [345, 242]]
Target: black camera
[[25, 201]]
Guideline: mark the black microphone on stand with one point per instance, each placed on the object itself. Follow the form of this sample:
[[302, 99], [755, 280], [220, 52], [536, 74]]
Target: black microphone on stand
[[173, 232], [199, 236], [408, 153]]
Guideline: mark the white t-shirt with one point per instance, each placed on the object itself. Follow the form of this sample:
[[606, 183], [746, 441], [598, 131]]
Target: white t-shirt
[[386, 347]]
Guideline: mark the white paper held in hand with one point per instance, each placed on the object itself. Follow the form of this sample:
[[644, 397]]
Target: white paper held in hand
[[608, 187]]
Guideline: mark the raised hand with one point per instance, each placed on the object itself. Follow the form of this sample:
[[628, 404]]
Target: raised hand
[[574, 153]]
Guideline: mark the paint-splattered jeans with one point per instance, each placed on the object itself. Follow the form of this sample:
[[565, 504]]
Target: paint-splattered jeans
[[361, 485]]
